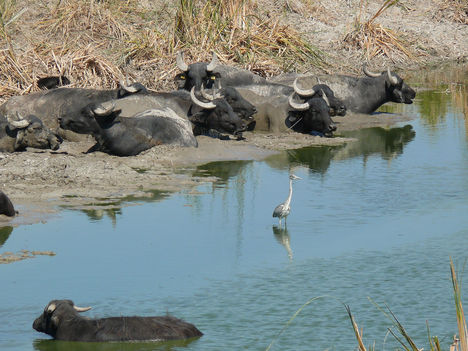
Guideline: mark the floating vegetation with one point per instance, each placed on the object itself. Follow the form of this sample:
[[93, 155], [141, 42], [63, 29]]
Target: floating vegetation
[[10, 257]]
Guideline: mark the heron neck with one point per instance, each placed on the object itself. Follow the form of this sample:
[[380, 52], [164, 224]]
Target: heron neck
[[288, 200]]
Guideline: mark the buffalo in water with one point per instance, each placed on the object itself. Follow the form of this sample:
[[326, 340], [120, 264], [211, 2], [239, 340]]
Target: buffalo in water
[[62, 321], [363, 94], [16, 134]]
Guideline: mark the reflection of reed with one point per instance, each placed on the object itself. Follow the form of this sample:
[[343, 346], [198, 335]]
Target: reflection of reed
[[282, 236], [448, 85], [4, 234], [460, 100]]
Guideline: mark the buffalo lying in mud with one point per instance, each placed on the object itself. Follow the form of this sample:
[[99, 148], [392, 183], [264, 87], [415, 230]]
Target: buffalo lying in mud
[[50, 105], [283, 113], [20, 133], [204, 74], [6, 206], [122, 136], [361, 95], [62, 321], [213, 117]]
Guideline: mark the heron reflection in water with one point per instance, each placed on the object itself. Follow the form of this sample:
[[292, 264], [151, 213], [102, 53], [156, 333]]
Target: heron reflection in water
[[282, 236], [283, 209]]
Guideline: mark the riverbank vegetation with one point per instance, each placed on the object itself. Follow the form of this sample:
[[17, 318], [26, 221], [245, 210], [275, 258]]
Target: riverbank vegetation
[[97, 43]]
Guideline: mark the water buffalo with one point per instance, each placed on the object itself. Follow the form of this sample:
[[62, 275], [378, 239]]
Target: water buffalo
[[212, 117], [362, 95], [6, 206], [206, 74], [20, 133], [122, 136], [62, 321], [50, 105], [282, 113], [241, 81], [311, 116], [52, 82]]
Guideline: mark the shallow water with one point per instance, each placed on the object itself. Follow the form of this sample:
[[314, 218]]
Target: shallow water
[[374, 222]]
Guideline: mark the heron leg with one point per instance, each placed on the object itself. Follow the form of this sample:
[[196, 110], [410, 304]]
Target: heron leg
[[279, 221]]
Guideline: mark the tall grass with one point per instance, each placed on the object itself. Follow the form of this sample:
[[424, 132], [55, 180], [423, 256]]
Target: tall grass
[[236, 30], [462, 343], [96, 43]]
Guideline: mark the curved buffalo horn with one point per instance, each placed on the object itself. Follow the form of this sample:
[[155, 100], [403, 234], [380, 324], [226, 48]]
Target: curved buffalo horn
[[19, 123], [392, 78], [51, 308], [205, 105], [127, 86], [104, 109], [180, 61], [81, 309], [324, 96], [303, 92], [214, 62], [369, 73], [296, 106]]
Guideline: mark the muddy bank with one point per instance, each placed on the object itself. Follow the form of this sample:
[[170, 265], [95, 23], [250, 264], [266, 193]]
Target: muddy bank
[[38, 181]]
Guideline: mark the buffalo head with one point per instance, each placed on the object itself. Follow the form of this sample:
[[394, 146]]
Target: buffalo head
[[242, 107], [31, 132], [396, 89], [196, 74], [311, 116], [336, 106], [216, 114], [56, 313]]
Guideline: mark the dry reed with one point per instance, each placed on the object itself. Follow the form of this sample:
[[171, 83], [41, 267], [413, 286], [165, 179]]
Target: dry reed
[[374, 39], [96, 43]]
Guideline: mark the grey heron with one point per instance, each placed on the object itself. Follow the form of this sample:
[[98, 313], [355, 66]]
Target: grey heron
[[283, 209]]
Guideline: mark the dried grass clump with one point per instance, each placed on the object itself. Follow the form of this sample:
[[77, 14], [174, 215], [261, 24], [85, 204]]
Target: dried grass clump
[[454, 10], [236, 31], [375, 40]]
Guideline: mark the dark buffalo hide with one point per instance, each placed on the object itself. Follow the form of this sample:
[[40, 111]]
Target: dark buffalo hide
[[18, 133], [62, 321], [64, 103], [6, 206], [359, 94]]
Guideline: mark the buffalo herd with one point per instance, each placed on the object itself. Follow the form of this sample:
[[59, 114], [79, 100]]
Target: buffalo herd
[[211, 99]]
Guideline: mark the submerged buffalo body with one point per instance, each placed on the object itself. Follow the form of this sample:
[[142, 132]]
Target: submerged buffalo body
[[51, 105], [6, 206], [363, 94], [16, 134], [62, 321]]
